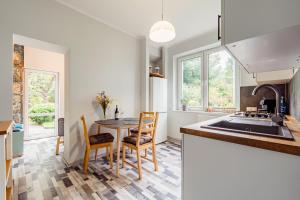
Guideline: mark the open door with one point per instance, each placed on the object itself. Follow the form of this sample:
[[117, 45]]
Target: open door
[[41, 104]]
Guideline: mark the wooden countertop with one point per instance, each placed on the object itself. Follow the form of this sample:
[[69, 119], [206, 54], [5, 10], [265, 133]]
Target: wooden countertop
[[273, 144], [5, 127]]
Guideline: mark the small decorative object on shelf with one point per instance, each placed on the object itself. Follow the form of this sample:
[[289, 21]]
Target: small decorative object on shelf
[[150, 69], [104, 101], [184, 103], [156, 70], [156, 75]]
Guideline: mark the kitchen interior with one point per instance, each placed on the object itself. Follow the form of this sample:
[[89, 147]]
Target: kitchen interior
[[254, 152], [248, 149]]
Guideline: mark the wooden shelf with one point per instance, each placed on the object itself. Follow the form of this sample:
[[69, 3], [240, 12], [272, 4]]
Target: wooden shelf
[[8, 193], [156, 75], [5, 126], [8, 168]]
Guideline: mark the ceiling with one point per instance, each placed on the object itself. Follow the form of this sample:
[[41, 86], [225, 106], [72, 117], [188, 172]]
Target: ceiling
[[135, 17]]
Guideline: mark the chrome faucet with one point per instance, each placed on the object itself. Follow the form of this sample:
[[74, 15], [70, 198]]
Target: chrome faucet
[[278, 119]]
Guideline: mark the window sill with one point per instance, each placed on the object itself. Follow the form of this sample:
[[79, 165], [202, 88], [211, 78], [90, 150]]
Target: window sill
[[202, 112]]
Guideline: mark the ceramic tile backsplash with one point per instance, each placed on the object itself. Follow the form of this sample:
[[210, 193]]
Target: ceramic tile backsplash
[[247, 100], [294, 90]]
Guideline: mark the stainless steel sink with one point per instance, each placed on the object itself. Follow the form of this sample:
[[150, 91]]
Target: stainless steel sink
[[252, 127]]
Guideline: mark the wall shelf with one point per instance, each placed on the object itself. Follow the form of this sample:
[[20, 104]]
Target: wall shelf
[[8, 168], [6, 179]]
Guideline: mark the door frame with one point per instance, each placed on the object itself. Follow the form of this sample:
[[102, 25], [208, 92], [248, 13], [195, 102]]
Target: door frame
[[25, 100]]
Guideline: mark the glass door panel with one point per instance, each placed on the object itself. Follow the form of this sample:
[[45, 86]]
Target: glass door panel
[[41, 104]]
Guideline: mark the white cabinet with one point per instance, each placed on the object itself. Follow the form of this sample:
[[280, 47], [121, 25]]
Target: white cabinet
[[272, 77], [246, 19], [275, 77], [162, 128], [158, 103], [217, 170], [263, 35], [158, 94], [6, 180]]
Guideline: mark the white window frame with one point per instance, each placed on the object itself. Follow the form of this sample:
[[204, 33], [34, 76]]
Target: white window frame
[[204, 78], [180, 78]]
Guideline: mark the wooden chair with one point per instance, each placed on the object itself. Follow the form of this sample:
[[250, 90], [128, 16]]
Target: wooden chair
[[60, 134], [95, 142], [142, 140]]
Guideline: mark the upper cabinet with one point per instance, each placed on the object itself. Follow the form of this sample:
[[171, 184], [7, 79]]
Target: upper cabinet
[[263, 35], [245, 19]]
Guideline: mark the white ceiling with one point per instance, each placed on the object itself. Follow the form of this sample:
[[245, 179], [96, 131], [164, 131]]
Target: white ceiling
[[135, 17]]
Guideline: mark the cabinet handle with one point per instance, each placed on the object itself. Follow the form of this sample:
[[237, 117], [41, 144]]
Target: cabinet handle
[[219, 20]]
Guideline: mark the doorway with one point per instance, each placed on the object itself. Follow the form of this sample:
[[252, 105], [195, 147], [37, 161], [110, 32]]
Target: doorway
[[41, 104]]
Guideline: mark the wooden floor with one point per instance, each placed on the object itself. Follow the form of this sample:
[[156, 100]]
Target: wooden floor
[[40, 174]]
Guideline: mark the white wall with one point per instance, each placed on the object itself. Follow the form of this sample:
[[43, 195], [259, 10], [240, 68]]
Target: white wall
[[176, 119], [99, 58], [247, 79], [48, 61]]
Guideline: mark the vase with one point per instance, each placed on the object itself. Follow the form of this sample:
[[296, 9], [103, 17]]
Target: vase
[[104, 114]]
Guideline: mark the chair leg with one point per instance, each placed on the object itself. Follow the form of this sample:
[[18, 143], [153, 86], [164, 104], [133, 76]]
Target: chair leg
[[111, 155], [139, 163], [57, 145], [123, 155], [154, 157], [86, 161], [96, 152], [107, 153], [146, 153]]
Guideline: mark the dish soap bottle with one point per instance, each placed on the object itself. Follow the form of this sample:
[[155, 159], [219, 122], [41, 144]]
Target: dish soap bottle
[[283, 106]]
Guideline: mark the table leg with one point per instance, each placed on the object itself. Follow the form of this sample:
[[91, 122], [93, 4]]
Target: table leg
[[118, 151], [98, 130]]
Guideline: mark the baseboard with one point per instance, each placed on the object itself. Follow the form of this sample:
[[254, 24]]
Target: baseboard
[[174, 140]]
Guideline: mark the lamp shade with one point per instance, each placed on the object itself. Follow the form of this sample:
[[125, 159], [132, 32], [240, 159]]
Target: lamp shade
[[162, 31]]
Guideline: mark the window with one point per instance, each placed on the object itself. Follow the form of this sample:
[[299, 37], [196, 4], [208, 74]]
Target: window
[[221, 80], [190, 76], [207, 80]]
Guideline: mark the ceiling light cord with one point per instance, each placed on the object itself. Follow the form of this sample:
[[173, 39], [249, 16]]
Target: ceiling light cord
[[162, 10]]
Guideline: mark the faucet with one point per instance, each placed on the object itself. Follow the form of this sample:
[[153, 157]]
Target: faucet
[[278, 119]]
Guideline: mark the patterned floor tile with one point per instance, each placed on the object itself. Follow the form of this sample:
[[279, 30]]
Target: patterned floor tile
[[40, 174]]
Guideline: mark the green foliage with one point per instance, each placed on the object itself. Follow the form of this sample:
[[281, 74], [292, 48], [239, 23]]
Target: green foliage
[[220, 80], [42, 109], [41, 88], [191, 87], [48, 124]]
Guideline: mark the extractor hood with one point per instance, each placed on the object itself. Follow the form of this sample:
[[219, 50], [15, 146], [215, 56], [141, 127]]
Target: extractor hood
[[274, 51]]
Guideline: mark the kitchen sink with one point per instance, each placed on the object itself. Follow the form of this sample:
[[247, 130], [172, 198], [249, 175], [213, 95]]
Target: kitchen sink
[[252, 127]]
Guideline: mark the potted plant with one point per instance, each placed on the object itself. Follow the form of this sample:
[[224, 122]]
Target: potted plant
[[104, 101], [184, 103]]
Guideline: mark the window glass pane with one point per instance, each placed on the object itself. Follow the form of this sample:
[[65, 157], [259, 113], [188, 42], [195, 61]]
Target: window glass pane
[[191, 82], [221, 80]]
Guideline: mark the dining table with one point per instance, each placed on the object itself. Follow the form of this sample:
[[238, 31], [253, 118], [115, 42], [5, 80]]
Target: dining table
[[118, 125]]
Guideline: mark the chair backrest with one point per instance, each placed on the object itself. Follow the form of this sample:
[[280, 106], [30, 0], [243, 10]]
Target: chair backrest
[[147, 123], [85, 130], [61, 126]]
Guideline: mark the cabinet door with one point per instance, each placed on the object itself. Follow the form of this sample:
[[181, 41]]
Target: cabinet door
[[275, 77], [250, 18]]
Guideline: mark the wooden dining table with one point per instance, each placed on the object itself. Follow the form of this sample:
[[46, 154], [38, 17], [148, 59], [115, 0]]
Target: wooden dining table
[[118, 125]]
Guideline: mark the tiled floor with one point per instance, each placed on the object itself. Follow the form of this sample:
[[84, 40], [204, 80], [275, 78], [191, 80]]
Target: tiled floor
[[40, 174]]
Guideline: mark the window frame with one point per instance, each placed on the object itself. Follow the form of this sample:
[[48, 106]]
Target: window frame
[[204, 54], [180, 78]]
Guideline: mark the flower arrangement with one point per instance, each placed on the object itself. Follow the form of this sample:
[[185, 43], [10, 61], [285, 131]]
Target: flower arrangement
[[104, 101]]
